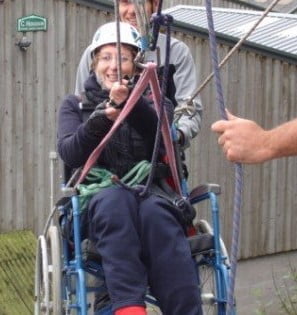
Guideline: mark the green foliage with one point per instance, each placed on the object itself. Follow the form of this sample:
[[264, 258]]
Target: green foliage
[[286, 290]]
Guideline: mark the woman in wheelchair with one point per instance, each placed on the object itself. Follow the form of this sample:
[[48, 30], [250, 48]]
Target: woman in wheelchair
[[141, 239]]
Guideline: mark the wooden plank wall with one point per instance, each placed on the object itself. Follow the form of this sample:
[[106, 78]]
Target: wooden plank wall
[[35, 81], [32, 84], [263, 89]]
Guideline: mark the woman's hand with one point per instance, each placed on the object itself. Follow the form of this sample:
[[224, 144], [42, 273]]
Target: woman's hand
[[111, 112], [119, 92]]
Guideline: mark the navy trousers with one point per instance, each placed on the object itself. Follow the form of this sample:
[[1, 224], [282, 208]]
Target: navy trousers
[[142, 243]]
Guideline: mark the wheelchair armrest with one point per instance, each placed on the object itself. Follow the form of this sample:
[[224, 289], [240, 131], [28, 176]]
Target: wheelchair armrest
[[200, 243], [201, 192], [63, 201], [68, 192]]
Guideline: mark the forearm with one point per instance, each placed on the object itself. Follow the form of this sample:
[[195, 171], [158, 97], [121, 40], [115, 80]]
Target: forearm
[[76, 148], [245, 141], [188, 118], [282, 140], [189, 122], [76, 141]]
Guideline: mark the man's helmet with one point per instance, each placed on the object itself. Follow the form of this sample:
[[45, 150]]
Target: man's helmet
[[107, 34]]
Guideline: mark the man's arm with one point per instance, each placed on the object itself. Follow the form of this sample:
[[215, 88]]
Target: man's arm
[[186, 82], [245, 141]]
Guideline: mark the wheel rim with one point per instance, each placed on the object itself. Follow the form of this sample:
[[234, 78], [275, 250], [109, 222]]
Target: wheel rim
[[42, 303], [55, 268], [207, 289]]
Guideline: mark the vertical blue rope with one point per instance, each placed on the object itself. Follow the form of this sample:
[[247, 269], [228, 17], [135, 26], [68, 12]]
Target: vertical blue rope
[[235, 234], [238, 167]]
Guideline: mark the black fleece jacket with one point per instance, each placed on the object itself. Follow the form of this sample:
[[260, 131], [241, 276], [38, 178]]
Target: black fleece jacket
[[131, 143]]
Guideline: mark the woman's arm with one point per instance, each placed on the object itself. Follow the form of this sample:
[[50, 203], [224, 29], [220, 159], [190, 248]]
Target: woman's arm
[[143, 118], [75, 139]]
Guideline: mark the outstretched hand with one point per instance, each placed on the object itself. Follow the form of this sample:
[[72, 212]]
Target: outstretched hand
[[242, 140]]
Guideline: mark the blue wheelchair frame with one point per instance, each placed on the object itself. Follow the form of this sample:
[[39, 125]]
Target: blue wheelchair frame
[[218, 260], [74, 267], [74, 286]]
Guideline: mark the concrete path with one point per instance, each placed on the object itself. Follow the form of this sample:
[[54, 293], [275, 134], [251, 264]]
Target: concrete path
[[259, 279], [257, 282]]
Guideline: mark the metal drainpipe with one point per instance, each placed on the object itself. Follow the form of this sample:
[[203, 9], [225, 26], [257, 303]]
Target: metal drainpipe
[[53, 156]]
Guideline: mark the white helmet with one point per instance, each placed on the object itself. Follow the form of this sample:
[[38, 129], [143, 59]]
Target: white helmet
[[107, 34]]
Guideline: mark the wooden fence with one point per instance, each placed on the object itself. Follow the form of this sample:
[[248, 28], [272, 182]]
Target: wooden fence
[[33, 82]]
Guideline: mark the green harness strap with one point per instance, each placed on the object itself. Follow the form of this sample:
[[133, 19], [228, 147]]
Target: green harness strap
[[100, 178]]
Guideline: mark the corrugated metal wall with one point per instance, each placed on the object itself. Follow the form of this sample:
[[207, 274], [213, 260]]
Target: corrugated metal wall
[[215, 3], [32, 85]]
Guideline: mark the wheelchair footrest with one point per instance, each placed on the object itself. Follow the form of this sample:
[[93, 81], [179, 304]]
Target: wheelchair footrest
[[200, 243]]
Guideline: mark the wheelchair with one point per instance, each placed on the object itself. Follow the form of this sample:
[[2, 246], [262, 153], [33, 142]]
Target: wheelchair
[[68, 272]]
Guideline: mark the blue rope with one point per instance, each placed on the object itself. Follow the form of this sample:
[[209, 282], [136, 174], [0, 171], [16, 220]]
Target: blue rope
[[238, 167]]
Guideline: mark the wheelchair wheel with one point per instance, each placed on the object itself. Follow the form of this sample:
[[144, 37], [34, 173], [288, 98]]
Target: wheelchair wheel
[[208, 290], [55, 269], [207, 275], [42, 303], [48, 274]]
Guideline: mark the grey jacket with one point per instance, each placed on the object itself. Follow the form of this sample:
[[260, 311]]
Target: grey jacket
[[184, 78]]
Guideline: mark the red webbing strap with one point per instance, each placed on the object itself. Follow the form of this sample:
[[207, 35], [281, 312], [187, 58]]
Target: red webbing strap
[[149, 76], [166, 130]]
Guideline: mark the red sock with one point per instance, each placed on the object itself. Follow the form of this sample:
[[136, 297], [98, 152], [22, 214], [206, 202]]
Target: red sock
[[131, 310]]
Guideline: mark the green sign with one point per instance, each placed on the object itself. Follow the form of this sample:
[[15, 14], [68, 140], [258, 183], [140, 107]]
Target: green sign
[[32, 23]]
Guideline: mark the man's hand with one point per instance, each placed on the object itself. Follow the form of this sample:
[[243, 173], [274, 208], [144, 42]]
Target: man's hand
[[242, 140]]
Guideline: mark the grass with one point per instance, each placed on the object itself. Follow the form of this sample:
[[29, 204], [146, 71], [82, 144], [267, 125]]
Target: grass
[[17, 264]]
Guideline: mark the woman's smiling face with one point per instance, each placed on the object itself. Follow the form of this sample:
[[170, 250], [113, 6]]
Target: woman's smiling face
[[106, 64]]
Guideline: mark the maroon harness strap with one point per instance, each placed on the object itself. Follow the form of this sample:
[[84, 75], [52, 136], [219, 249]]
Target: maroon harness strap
[[149, 76]]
